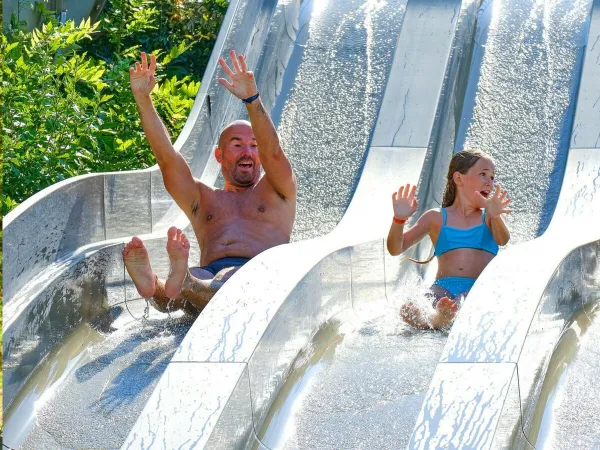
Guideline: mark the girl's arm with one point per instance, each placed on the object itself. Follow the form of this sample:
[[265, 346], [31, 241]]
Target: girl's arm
[[496, 205], [499, 230], [399, 241]]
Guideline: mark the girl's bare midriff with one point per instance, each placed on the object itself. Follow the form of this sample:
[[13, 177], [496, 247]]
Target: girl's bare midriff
[[463, 262]]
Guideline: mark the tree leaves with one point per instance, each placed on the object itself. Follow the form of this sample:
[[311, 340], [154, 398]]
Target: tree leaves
[[66, 104]]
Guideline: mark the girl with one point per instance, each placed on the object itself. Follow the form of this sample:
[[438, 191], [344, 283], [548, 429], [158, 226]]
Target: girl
[[465, 232]]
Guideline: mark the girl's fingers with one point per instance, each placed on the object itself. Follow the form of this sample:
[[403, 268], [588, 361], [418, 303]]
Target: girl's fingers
[[498, 190], [138, 67], [394, 196], [507, 211], [144, 61], [504, 194], [400, 191], [412, 192], [406, 189]]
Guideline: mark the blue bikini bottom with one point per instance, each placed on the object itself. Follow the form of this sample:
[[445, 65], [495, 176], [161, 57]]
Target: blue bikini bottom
[[455, 285]]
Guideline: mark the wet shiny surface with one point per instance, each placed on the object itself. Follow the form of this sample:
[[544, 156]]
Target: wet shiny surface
[[523, 107], [331, 92], [568, 413], [358, 384], [90, 389]]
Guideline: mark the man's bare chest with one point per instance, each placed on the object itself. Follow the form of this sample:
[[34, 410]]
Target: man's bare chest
[[231, 207]]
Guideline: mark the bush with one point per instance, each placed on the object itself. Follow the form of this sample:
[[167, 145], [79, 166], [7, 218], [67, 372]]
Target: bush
[[66, 103]]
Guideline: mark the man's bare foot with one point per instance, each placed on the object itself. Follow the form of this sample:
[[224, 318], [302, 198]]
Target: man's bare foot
[[178, 248], [445, 311], [138, 266]]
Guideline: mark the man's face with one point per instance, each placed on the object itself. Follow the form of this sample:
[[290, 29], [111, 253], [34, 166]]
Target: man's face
[[238, 155]]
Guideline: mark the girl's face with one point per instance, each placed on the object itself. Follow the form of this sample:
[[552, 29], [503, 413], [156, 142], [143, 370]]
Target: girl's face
[[479, 178]]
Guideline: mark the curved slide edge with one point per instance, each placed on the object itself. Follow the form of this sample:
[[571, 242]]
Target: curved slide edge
[[242, 346], [488, 350], [62, 246]]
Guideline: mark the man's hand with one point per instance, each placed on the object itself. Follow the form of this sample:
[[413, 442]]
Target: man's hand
[[404, 201], [142, 77], [496, 202], [242, 83]]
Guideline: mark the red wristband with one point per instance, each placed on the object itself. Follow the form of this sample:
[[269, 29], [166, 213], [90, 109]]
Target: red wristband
[[399, 221]]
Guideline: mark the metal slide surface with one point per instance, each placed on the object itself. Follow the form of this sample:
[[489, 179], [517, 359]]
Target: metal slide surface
[[312, 354], [82, 351]]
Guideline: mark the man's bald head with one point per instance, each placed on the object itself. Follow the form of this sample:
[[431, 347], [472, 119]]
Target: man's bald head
[[237, 153], [227, 129]]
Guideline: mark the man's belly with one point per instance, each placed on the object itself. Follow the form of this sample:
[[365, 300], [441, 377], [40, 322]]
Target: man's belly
[[245, 243]]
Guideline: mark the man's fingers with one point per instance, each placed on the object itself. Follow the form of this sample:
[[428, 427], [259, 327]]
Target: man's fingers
[[234, 61], [243, 63], [152, 63], [226, 83], [226, 68]]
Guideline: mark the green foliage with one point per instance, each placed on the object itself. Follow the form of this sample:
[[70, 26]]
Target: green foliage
[[67, 107]]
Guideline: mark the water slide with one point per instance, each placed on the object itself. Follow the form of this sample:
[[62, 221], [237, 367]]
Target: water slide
[[303, 348]]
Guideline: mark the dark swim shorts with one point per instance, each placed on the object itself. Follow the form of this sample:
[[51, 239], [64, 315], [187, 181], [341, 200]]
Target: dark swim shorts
[[216, 266]]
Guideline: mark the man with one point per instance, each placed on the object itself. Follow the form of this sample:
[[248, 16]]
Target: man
[[251, 214]]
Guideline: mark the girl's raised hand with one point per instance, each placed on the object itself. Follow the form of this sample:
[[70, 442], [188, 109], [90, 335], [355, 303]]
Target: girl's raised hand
[[496, 203], [404, 201]]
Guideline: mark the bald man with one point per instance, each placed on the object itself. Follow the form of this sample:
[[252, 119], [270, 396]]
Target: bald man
[[252, 213]]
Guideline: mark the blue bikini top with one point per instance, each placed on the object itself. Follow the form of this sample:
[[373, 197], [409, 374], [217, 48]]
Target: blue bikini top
[[478, 237]]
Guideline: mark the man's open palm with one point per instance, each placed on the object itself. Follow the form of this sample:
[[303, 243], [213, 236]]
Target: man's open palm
[[241, 81], [142, 77]]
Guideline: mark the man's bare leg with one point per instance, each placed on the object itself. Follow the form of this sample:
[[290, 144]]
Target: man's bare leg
[[178, 248], [196, 290], [198, 287], [138, 266], [146, 282]]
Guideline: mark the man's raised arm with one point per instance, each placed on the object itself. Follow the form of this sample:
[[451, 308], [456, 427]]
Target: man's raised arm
[[176, 173], [278, 169]]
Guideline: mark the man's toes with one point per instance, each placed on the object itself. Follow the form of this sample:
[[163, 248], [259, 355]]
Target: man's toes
[[172, 233]]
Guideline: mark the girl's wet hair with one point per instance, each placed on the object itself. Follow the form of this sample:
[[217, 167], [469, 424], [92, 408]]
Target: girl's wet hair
[[461, 162]]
